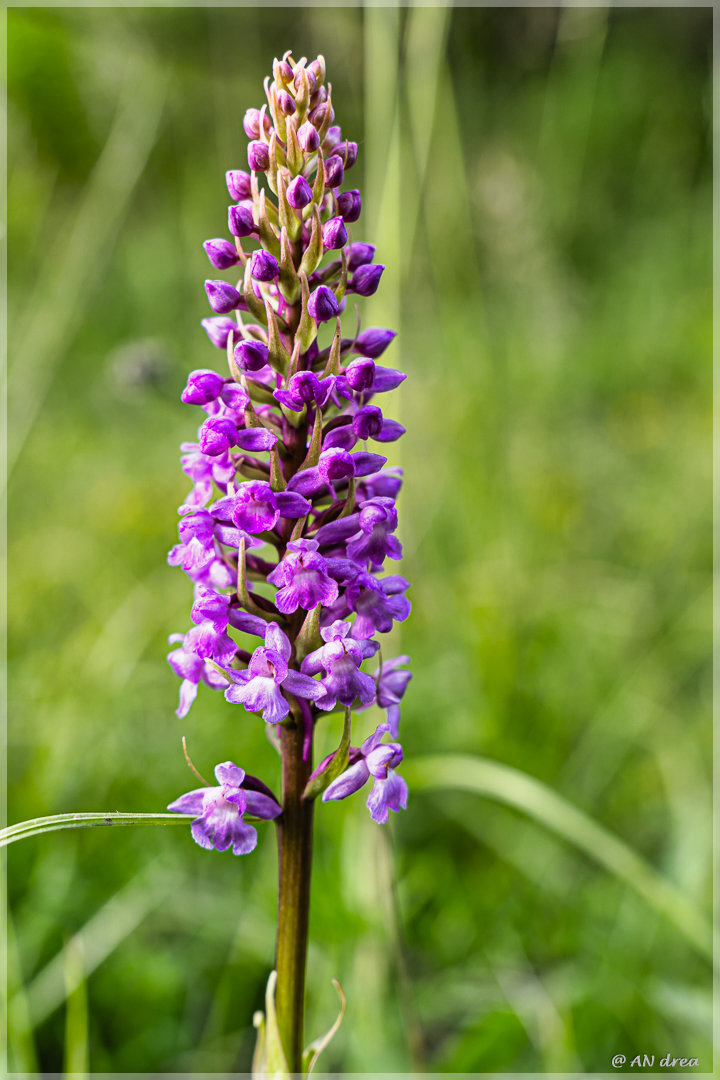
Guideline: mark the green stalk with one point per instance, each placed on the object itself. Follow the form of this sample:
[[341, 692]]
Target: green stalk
[[294, 864]]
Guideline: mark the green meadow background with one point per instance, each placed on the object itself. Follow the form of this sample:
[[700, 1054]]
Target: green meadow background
[[538, 183]]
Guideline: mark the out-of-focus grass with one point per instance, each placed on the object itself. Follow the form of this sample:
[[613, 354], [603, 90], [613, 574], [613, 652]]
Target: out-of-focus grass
[[541, 179]]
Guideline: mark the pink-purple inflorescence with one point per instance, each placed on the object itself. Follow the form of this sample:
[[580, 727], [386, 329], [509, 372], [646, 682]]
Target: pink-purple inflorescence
[[291, 517]]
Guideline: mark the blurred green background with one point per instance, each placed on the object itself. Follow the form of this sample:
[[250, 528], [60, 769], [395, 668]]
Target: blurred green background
[[538, 182]]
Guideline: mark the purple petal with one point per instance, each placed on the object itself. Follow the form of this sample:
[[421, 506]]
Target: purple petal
[[256, 439], [348, 782], [303, 686], [292, 505], [190, 803]]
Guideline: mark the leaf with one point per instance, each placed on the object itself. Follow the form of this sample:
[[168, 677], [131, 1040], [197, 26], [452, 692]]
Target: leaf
[[337, 764], [313, 1051], [35, 826], [464, 772]]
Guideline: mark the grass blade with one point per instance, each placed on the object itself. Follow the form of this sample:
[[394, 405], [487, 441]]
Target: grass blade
[[496, 781], [86, 821]]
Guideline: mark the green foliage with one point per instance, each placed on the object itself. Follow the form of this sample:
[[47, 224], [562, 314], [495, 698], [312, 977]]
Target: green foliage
[[538, 183]]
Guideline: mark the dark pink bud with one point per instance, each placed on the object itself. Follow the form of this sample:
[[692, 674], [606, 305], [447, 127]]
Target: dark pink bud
[[350, 205], [334, 234], [308, 137], [333, 136], [318, 97], [360, 374], [348, 152], [258, 156], [251, 355], [222, 297], [251, 123], [203, 386], [367, 278], [217, 435], [285, 72], [221, 253], [323, 305], [333, 172], [359, 254], [238, 184], [286, 103], [218, 330], [317, 67], [240, 221], [299, 192], [264, 266], [374, 341], [367, 422], [317, 116]]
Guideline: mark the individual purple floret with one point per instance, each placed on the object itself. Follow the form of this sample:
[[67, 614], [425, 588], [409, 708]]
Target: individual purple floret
[[340, 657], [221, 810], [302, 579], [377, 760], [260, 688]]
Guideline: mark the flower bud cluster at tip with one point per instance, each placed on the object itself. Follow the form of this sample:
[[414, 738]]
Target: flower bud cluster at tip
[[290, 489]]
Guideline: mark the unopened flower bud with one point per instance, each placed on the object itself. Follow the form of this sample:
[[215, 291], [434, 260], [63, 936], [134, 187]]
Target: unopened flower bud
[[251, 355], [238, 184], [323, 305], [348, 151], [203, 386], [312, 81], [368, 422], [350, 205], [217, 435], [318, 97], [299, 192], [286, 103], [251, 123], [366, 279], [258, 156], [308, 137], [333, 172], [317, 116], [333, 136], [221, 253], [240, 220], [334, 234], [374, 341], [264, 266], [218, 330], [360, 374], [283, 71], [317, 67], [222, 297], [359, 254]]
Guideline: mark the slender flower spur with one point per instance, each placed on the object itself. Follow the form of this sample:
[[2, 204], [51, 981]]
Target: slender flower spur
[[291, 518]]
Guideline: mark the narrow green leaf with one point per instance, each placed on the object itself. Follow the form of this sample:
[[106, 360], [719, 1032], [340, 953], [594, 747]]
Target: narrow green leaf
[[86, 821]]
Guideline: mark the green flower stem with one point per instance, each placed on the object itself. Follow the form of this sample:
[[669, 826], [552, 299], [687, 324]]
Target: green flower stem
[[295, 864]]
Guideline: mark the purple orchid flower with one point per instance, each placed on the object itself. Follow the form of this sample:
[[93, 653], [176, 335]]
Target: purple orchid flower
[[260, 688], [220, 810], [302, 579], [377, 760], [340, 657], [192, 669]]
